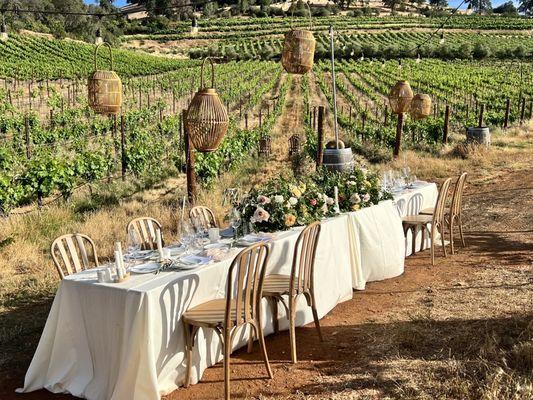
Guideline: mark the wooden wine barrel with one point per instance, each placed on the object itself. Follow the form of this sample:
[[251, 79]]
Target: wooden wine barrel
[[478, 135], [338, 159]]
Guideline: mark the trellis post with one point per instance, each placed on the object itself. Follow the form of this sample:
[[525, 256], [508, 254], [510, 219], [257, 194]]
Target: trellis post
[[320, 134], [446, 124], [191, 175], [123, 146], [507, 112], [481, 112]]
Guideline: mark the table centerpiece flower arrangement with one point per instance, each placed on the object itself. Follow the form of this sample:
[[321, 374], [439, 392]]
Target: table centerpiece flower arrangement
[[286, 202]]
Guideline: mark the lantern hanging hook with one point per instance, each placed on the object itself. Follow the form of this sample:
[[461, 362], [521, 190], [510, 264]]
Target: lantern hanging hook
[[212, 73]]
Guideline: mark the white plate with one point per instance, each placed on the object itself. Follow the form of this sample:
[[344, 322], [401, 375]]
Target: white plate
[[215, 246], [145, 268], [192, 261], [227, 233], [140, 255]]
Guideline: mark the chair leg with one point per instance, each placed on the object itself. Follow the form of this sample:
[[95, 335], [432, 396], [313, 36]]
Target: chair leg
[[432, 244], [461, 230], [251, 340], [315, 317], [423, 235], [292, 328], [442, 240], [227, 354], [414, 231], [274, 308], [189, 341], [261, 337], [452, 219]]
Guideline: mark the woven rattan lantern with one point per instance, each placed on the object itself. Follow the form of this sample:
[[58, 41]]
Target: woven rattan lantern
[[420, 106], [104, 87], [298, 50], [400, 97], [207, 118]]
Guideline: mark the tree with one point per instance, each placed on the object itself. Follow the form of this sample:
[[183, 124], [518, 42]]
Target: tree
[[526, 7], [481, 6], [506, 9], [439, 3], [392, 4]]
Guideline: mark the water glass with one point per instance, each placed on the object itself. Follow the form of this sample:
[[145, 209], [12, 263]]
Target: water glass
[[214, 235]]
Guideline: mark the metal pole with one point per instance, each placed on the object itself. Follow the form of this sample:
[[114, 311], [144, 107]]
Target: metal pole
[[336, 129]]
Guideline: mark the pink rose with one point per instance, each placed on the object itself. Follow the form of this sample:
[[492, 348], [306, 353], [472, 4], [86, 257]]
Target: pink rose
[[260, 215], [313, 202]]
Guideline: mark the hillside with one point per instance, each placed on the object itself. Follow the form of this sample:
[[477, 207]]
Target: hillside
[[26, 57]]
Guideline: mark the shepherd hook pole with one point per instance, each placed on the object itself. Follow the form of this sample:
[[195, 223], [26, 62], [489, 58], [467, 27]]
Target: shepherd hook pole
[[334, 88]]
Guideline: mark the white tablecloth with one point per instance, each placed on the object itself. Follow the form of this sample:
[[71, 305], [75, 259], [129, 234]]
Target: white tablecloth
[[377, 244], [125, 341]]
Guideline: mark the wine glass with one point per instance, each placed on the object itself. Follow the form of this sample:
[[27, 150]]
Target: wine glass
[[187, 235], [134, 242], [235, 221]]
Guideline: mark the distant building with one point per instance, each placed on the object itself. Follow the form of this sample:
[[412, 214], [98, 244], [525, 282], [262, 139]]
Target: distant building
[[134, 11]]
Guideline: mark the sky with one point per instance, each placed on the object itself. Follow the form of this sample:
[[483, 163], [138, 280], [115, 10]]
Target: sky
[[452, 3]]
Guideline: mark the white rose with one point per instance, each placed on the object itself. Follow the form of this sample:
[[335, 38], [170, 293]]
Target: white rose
[[293, 201], [278, 199], [354, 198], [366, 197], [330, 201]]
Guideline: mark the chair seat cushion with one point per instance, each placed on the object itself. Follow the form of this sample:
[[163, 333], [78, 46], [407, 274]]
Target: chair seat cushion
[[276, 284], [211, 313], [417, 219], [428, 211]]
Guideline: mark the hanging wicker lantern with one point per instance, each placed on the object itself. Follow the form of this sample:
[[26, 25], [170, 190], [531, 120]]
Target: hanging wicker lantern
[[420, 106], [104, 87], [400, 97], [299, 50], [207, 118]]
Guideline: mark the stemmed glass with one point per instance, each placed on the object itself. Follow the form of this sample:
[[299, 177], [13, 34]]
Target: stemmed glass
[[235, 221], [187, 235], [134, 243]]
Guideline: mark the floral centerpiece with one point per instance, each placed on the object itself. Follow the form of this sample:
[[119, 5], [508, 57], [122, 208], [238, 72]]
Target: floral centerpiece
[[286, 202], [356, 189]]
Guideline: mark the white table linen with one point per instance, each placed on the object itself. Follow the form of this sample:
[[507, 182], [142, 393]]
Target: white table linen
[[126, 341], [377, 244]]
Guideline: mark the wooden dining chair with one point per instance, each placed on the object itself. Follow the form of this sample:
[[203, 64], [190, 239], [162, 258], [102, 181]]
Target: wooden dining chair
[[70, 254], [455, 210], [202, 218], [454, 214], [145, 230], [299, 282], [241, 306], [400, 207], [422, 221]]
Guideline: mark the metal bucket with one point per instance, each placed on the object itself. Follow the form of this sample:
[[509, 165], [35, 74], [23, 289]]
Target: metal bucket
[[478, 135], [338, 159]]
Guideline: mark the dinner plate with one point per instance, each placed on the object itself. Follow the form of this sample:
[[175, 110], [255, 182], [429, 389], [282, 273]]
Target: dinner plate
[[140, 255], [227, 233], [215, 246], [145, 268], [192, 261]]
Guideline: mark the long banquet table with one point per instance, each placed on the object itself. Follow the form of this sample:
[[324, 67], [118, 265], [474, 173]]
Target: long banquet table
[[125, 341]]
